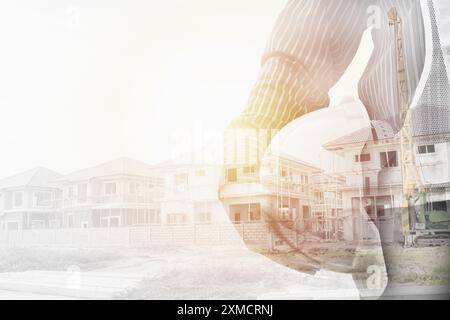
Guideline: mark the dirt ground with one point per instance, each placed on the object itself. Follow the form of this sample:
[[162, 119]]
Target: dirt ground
[[234, 272]]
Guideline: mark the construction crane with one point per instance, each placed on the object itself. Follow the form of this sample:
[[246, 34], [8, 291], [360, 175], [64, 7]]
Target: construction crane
[[413, 190]]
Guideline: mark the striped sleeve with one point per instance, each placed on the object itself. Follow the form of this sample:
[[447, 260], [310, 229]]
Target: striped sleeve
[[311, 45]]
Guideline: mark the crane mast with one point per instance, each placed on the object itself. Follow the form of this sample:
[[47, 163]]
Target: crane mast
[[411, 179]]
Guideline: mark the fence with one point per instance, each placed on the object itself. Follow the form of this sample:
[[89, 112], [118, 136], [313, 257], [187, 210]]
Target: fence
[[137, 236]]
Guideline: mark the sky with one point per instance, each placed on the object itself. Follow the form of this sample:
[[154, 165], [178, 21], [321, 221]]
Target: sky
[[85, 82]]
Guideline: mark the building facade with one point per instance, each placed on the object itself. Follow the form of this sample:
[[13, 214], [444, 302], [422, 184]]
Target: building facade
[[118, 193], [30, 200], [287, 198], [373, 191], [190, 194]]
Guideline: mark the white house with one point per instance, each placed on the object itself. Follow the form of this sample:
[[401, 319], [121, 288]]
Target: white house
[[122, 192], [190, 193], [288, 198], [370, 158], [29, 200]]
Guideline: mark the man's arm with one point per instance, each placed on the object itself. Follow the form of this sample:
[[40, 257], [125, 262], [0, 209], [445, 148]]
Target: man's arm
[[311, 46]]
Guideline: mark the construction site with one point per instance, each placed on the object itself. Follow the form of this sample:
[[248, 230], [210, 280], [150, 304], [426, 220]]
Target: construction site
[[388, 186]]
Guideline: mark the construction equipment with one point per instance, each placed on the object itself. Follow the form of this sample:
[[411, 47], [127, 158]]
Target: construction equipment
[[415, 213]]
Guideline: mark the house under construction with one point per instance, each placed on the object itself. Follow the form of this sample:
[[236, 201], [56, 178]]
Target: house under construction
[[294, 200]]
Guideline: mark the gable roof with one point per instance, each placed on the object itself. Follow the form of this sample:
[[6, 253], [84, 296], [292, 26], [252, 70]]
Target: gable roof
[[379, 130], [427, 121], [37, 177], [121, 166]]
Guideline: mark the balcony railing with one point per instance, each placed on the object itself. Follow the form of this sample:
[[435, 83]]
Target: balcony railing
[[116, 198]]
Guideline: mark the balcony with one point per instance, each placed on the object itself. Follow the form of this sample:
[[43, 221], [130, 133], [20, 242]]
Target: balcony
[[112, 199], [242, 189]]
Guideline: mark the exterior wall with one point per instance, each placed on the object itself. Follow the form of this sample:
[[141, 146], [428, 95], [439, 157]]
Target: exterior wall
[[385, 182], [284, 190], [137, 200], [243, 206], [436, 166], [113, 201], [34, 211], [191, 195]]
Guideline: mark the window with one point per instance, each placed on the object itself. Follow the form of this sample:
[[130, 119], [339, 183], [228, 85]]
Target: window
[[12, 225], [131, 217], [237, 217], [427, 149], [82, 192], [285, 213], [142, 216], [381, 211], [389, 159], [254, 215], [177, 218], [363, 158], [200, 173], [180, 182], [203, 217], [114, 222], [439, 206], [42, 199], [249, 170], [54, 224], [37, 224], [306, 212], [70, 192], [319, 196], [153, 216], [232, 175], [366, 185], [18, 199], [110, 188], [103, 222], [70, 221], [135, 188], [304, 180]]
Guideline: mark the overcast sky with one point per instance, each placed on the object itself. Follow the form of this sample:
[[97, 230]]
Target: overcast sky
[[83, 82]]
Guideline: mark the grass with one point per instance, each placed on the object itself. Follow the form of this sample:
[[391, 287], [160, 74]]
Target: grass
[[420, 266], [424, 266]]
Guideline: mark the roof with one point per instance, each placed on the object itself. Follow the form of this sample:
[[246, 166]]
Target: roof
[[427, 121], [121, 166], [379, 130], [284, 157], [37, 177]]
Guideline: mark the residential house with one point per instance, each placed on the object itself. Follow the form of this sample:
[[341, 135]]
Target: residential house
[[190, 193], [285, 197], [374, 183], [119, 193], [374, 178], [278, 189], [29, 200]]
